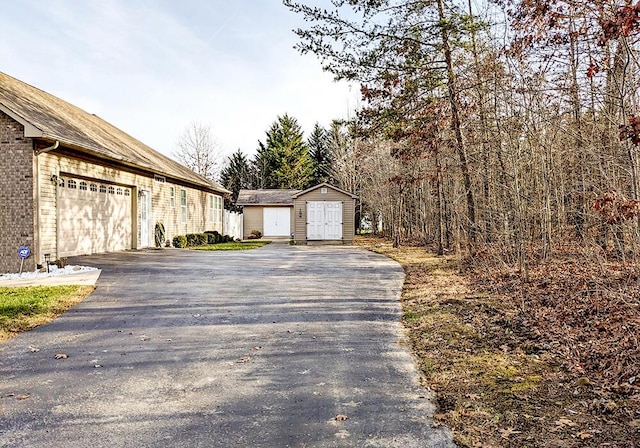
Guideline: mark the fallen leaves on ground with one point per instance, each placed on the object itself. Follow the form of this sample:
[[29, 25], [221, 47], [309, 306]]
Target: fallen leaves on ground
[[61, 356], [552, 362], [341, 418]]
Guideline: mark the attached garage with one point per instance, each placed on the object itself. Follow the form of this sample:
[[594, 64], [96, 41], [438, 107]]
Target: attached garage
[[324, 213], [93, 217]]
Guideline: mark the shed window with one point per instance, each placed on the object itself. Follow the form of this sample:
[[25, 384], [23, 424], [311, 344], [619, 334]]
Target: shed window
[[183, 205], [72, 183], [93, 187], [83, 186], [103, 188]]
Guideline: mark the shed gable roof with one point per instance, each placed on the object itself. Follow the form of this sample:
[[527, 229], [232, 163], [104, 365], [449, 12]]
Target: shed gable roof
[[324, 185], [48, 117], [266, 197]]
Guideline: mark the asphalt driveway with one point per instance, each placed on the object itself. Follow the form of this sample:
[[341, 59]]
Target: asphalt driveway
[[262, 348]]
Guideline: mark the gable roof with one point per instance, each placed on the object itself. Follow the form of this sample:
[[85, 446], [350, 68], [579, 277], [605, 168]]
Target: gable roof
[[266, 197], [325, 185], [50, 118]]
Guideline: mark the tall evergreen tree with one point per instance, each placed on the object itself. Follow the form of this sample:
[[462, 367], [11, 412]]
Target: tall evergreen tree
[[284, 161], [320, 155], [236, 174]]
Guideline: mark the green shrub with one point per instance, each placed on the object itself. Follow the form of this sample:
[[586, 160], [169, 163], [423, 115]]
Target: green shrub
[[226, 239], [201, 239], [179, 241], [159, 234], [218, 238], [192, 239], [211, 238]]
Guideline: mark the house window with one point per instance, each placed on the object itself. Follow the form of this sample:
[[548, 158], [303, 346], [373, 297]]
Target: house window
[[83, 186], [160, 179], [103, 189], [71, 183], [172, 197], [218, 210], [183, 205], [93, 187]]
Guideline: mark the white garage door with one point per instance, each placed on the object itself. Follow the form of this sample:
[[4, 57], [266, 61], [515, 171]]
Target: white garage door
[[276, 221], [92, 217], [324, 220]]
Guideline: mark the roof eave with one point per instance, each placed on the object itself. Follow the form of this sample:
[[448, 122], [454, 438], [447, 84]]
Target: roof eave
[[30, 130]]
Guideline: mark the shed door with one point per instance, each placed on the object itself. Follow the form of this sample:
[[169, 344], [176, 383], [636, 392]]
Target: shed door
[[324, 220], [276, 221], [92, 217]]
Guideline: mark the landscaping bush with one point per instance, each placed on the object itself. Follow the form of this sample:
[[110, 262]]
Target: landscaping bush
[[226, 239], [192, 239], [179, 241], [211, 238], [159, 234], [255, 235]]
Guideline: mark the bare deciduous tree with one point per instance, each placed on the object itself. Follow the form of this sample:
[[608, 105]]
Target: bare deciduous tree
[[198, 150]]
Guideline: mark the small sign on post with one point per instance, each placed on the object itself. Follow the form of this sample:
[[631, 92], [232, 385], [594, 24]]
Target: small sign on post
[[23, 252]]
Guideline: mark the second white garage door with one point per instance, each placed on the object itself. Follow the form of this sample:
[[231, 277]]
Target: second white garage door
[[324, 220], [92, 217], [276, 221]]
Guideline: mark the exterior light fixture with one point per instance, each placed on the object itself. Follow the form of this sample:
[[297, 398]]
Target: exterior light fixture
[[47, 260]]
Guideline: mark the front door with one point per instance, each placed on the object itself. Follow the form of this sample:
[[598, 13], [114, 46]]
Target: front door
[[144, 218]]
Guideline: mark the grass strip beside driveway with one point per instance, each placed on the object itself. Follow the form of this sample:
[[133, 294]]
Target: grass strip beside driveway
[[25, 308], [234, 245]]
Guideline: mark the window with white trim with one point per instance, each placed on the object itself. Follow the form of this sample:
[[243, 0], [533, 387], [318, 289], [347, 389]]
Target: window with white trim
[[172, 197], [183, 205]]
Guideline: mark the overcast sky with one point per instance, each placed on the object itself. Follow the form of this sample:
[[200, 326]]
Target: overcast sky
[[152, 67]]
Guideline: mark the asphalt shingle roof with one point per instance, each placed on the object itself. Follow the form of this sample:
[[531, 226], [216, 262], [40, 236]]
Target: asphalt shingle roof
[[266, 197], [73, 127]]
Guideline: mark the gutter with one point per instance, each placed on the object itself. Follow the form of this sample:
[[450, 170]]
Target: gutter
[[48, 148]]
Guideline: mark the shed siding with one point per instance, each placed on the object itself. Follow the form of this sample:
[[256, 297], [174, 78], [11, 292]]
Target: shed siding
[[17, 200], [161, 211], [300, 213], [252, 220]]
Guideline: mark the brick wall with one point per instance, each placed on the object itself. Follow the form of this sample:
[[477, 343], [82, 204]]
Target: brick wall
[[16, 195]]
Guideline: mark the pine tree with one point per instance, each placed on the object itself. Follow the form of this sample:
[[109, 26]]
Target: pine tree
[[284, 161], [320, 155], [236, 174]]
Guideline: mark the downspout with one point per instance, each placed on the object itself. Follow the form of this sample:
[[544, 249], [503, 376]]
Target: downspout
[[48, 148], [53, 147]]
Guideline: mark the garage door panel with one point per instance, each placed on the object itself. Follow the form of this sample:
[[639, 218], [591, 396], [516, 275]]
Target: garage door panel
[[92, 221], [276, 221], [324, 220]]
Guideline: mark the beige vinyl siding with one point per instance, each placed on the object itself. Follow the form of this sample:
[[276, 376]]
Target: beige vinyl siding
[[300, 213], [252, 220], [161, 211]]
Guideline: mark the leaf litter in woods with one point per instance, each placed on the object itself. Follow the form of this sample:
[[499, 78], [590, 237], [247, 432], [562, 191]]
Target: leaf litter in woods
[[549, 363]]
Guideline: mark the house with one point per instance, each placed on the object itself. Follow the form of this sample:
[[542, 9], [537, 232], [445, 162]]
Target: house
[[73, 184], [323, 213]]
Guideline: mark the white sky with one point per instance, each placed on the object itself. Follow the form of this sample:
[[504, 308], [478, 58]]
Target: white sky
[[152, 67]]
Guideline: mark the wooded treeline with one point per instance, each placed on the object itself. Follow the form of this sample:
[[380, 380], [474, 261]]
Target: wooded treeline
[[506, 125]]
